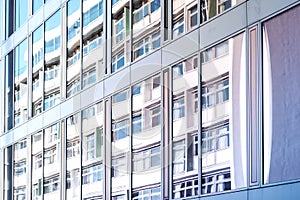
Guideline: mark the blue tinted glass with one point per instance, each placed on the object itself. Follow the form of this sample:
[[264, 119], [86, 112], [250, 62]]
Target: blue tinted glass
[[155, 5], [120, 97], [136, 90], [21, 12], [1, 22], [21, 58], [120, 63], [36, 4], [114, 2]]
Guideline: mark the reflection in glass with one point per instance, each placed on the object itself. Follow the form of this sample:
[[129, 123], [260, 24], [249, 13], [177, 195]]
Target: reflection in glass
[[37, 69], [73, 157], [73, 46], [92, 50], [185, 128], [52, 161], [20, 170], [223, 134], [21, 12], [146, 26], [184, 16], [92, 152], [146, 137], [211, 8], [120, 144], [21, 83], [120, 21], [281, 98], [37, 166], [52, 72], [9, 92]]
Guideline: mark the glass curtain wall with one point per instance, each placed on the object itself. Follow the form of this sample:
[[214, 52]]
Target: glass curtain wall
[[20, 170], [120, 145], [37, 70], [73, 158], [52, 68], [92, 152], [21, 83], [185, 128], [37, 166], [52, 162], [73, 47], [146, 19], [93, 42], [146, 137], [224, 138]]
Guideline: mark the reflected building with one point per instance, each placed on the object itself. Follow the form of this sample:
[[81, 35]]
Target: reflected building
[[149, 99]]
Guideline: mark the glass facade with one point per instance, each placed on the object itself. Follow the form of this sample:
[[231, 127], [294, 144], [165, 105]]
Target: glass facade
[[148, 99]]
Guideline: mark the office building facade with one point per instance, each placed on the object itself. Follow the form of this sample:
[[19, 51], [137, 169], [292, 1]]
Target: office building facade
[[101, 99]]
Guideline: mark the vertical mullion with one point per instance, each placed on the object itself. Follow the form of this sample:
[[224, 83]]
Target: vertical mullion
[[199, 104]]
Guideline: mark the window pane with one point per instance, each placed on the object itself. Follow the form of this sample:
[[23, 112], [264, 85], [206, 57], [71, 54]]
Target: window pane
[[21, 83], [52, 61], [21, 12], [280, 98], [185, 122], [223, 126], [92, 151], [211, 8], [120, 140], [37, 69], [52, 162], [146, 136], [73, 47], [146, 27], [20, 169], [73, 162], [36, 4], [37, 165]]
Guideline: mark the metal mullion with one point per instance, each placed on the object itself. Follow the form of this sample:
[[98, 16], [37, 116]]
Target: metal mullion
[[131, 139], [170, 129], [260, 105], [81, 47], [248, 108], [199, 112]]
